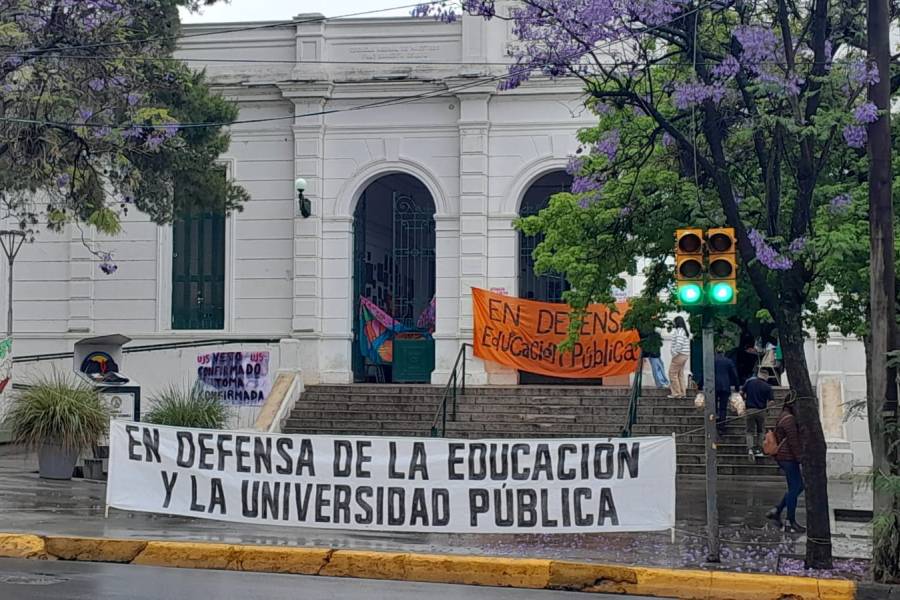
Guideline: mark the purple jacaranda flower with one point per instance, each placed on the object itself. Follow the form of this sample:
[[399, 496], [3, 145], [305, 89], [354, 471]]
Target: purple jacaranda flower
[[106, 262], [96, 84], [102, 132], [758, 45], [863, 73], [63, 180], [866, 113], [170, 131], [726, 69], [667, 140], [574, 165], [766, 254], [132, 99], [690, 94], [154, 141], [855, 136], [608, 145], [840, 203], [85, 114], [797, 245], [132, 133], [581, 185]]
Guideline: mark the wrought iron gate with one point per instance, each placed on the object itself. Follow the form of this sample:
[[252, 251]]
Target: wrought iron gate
[[414, 259]]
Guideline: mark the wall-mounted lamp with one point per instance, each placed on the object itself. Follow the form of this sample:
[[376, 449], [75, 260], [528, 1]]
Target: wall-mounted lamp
[[305, 204]]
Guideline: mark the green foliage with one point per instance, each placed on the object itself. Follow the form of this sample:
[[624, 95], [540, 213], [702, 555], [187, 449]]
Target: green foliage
[[58, 409], [187, 406], [100, 131]]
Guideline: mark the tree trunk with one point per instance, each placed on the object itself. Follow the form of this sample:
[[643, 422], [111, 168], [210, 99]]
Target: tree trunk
[[882, 395], [818, 523]]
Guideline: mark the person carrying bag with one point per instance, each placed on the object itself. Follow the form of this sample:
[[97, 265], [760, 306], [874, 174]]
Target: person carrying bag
[[784, 446]]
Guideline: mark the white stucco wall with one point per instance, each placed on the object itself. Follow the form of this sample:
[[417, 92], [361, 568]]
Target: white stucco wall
[[475, 149]]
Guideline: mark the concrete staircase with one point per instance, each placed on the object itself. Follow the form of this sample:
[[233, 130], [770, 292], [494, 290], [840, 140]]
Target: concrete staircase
[[523, 412]]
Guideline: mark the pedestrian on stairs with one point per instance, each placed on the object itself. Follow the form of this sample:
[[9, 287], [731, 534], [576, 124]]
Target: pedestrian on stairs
[[681, 351], [651, 344], [757, 395], [789, 457]]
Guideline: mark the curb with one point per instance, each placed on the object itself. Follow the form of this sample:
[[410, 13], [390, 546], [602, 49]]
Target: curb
[[431, 568]]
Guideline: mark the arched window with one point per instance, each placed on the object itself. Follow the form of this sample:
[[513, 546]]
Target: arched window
[[549, 287]]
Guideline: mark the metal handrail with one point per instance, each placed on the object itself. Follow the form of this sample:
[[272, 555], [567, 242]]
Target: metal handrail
[[631, 419], [450, 391]]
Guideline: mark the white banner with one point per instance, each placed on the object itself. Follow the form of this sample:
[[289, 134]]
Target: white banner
[[395, 484]]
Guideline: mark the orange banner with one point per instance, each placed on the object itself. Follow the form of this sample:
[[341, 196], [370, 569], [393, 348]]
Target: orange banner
[[525, 335]]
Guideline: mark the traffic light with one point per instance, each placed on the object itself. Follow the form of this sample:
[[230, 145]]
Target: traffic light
[[689, 268], [722, 269]]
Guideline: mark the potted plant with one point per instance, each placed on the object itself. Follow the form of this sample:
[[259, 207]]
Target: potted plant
[[187, 406], [59, 416]]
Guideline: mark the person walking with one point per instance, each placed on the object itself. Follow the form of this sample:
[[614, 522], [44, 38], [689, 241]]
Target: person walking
[[757, 395], [681, 351], [651, 343], [789, 458], [726, 380]]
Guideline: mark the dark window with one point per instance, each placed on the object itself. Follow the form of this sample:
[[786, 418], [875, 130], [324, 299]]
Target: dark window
[[198, 271], [550, 286]]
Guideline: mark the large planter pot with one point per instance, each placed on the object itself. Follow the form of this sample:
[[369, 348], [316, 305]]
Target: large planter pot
[[56, 462]]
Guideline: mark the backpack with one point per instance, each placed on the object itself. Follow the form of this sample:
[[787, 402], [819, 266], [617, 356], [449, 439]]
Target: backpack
[[770, 445]]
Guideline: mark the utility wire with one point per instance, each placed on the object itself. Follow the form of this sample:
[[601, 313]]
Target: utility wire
[[262, 26], [382, 103]]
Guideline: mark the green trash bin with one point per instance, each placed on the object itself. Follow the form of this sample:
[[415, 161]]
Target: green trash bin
[[413, 359]]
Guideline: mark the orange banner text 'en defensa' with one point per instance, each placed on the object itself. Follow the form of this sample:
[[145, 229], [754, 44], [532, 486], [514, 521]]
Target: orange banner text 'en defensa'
[[525, 335]]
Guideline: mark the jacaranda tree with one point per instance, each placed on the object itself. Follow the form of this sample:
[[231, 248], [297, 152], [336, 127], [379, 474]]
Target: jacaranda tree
[[92, 116], [721, 112]]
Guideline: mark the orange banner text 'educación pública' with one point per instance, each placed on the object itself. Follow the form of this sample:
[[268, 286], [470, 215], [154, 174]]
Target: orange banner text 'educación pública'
[[525, 335]]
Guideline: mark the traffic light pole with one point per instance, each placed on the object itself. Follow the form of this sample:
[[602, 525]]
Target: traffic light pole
[[712, 462]]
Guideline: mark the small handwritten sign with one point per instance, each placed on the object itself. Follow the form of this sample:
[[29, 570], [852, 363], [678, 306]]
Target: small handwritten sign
[[238, 378]]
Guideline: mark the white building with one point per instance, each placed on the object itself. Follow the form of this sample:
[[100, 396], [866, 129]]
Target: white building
[[411, 200]]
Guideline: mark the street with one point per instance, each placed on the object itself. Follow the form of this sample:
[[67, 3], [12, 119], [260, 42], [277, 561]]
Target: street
[[39, 580]]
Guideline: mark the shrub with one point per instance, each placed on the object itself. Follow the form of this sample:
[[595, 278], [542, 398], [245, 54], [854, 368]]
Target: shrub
[[183, 406], [58, 409]]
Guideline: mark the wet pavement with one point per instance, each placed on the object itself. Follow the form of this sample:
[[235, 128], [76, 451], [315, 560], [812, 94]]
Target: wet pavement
[[31, 580], [749, 542]]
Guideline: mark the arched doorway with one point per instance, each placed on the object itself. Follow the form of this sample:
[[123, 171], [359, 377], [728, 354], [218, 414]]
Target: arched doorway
[[548, 287], [394, 281]]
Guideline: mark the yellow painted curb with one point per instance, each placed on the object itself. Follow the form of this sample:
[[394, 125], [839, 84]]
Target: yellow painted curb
[[18, 545], [433, 568], [94, 549]]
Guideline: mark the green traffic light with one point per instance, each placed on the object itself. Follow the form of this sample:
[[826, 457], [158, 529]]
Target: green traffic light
[[722, 293], [690, 293]]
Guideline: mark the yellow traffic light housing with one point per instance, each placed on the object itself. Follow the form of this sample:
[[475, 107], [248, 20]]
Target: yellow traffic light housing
[[689, 267], [722, 266]]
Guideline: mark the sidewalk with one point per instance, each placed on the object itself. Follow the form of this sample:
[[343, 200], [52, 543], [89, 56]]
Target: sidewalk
[[749, 544]]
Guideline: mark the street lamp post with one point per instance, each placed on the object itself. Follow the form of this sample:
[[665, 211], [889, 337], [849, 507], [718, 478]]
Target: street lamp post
[[11, 240]]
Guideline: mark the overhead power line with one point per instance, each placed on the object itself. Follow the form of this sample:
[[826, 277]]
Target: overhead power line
[[261, 26], [377, 104]]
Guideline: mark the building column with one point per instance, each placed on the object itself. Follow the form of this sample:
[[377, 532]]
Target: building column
[[335, 350], [309, 145], [474, 128], [502, 265], [447, 290]]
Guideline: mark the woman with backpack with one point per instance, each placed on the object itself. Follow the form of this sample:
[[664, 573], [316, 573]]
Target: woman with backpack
[[788, 453]]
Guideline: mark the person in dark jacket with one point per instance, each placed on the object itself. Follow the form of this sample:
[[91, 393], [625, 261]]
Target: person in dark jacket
[[757, 395], [789, 458], [726, 380]]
